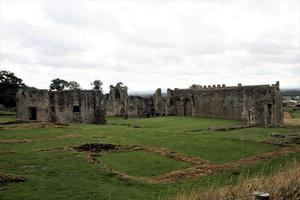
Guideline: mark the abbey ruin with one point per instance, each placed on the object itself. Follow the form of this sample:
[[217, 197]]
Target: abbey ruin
[[257, 105]]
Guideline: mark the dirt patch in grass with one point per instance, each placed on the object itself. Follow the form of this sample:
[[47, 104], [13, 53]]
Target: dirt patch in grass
[[287, 115], [10, 178], [264, 156], [289, 120], [189, 173], [30, 125], [54, 149], [128, 125], [7, 152], [201, 167], [98, 147], [175, 155], [16, 141], [16, 122], [134, 126], [52, 138], [204, 168], [208, 168]]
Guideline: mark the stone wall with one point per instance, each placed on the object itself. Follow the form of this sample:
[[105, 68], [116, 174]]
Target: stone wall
[[61, 106], [27, 100], [259, 105], [116, 101], [159, 103], [137, 106]]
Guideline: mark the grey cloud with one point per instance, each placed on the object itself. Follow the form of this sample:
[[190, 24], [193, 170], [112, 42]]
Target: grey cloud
[[45, 40], [265, 46], [77, 15], [182, 48], [66, 13]]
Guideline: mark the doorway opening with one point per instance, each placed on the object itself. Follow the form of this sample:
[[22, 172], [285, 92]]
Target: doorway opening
[[32, 113], [269, 114]]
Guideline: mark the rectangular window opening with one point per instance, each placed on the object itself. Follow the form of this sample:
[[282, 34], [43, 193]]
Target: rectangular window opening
[[76, 109]]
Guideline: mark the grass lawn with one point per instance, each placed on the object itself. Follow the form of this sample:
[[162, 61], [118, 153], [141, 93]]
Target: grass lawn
[[295, 114], [68, 174], [139, 163], [6, 116], [7, 113]]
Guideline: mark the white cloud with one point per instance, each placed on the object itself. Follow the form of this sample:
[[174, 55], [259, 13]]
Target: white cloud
[[152, 44]]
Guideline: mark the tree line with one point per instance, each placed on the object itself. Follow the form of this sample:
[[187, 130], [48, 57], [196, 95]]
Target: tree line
[[60, 85], [10, 84]]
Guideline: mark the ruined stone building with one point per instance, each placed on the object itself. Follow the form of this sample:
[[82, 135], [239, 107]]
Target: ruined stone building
[[257, 105], [116, 101], [84, 106]]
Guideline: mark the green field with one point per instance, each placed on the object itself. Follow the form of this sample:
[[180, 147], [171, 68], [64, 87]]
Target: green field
[[295, 114], [140, 163], [42, 153], [7, 116]]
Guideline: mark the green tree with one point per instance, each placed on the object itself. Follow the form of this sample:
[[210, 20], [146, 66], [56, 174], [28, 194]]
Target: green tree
[[59, 84], [9, 85], [73, 85], [97, 85]]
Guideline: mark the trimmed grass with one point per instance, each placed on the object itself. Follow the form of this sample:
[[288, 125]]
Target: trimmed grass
[[69, 174], [296, 114], [7, 113], [7, 118], [140, 163]]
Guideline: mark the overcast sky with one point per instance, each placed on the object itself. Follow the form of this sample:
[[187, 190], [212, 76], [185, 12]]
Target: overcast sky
[[149, 44]]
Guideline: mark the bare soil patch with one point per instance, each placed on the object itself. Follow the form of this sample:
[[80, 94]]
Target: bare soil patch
[[10, 178], [287, 115], [54, 149], [52, 138], [289, 120], [98, 147]]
